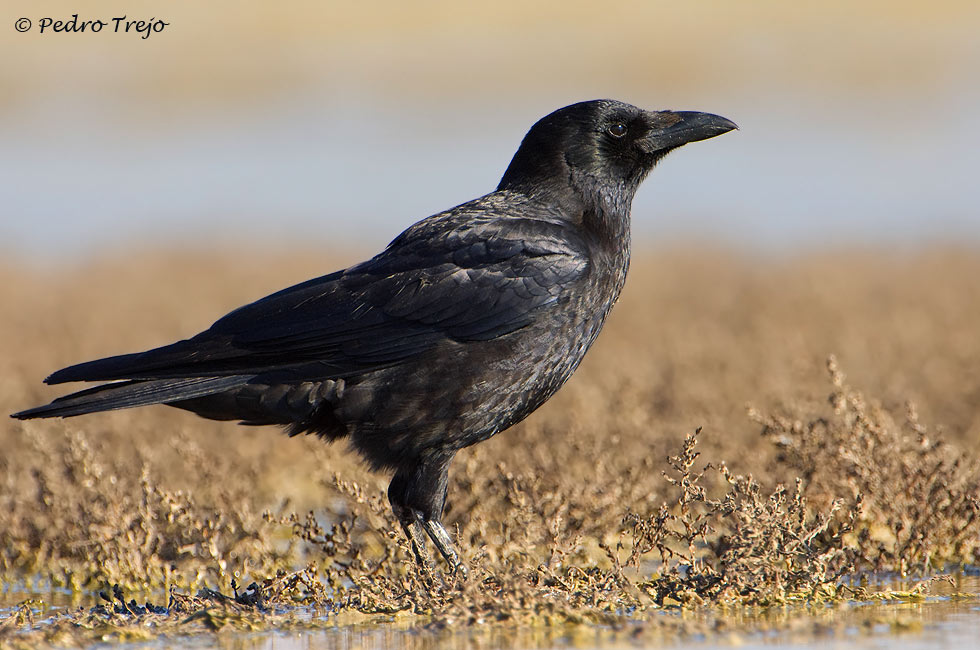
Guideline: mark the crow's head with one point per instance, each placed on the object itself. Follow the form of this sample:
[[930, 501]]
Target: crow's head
[[602, 146]]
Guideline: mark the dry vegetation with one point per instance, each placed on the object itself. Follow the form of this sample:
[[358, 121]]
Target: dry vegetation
[[604, 507], [884, 45]]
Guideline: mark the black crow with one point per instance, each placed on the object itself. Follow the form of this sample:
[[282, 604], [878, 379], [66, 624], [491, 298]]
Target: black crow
[[465, 324]]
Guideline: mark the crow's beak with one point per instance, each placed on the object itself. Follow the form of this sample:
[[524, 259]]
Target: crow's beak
[[681, 127]]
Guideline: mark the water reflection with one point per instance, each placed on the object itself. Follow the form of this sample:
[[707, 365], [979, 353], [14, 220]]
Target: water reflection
[[948, 617]]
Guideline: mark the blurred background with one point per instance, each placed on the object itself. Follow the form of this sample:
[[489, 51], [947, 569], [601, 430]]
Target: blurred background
[[337, 124]]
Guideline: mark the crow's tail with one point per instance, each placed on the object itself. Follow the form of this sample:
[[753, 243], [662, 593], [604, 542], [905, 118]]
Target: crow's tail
[[137, 392]]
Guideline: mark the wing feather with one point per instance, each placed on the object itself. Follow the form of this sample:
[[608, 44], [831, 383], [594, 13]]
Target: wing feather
[[451, 277]]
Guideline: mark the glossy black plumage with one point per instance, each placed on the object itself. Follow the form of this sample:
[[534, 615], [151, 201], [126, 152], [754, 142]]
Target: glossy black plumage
[[464, 325]]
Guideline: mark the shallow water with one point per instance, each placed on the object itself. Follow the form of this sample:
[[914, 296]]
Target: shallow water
[[949, 617], [936, 622]]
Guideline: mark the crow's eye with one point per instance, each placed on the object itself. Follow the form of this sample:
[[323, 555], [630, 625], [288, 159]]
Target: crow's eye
[[617, 130]]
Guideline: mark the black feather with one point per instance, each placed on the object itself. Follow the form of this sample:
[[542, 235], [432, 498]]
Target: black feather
[[465, 324], [128, 394]]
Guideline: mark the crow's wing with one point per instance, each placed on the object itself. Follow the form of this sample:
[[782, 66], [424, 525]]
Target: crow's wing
[[456, 276]]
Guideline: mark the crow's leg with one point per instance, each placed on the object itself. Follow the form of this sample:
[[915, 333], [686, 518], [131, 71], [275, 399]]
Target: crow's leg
[[418, 495], [412, 526], [438, 533]]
